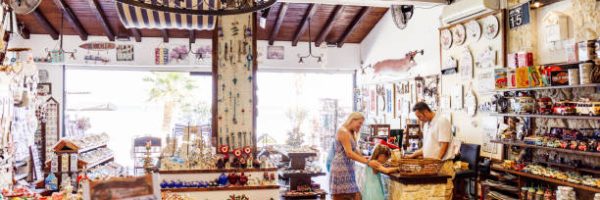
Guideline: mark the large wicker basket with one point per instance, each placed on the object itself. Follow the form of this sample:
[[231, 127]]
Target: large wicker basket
[[418, 167]]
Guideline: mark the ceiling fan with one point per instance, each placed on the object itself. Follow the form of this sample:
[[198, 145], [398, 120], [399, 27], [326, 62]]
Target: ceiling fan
[[24, 7], [401, 14]]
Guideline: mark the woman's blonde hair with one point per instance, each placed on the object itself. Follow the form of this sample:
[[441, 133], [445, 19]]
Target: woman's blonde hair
[[379, 150], [352, 117]]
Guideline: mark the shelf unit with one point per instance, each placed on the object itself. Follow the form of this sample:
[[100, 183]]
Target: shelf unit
[[547, 87], [546, 179], [546, 116], [139, 152], [521, 144], [315, 195], [103, 161], [566, 166], [224, 188], [68, 163], [194, 171], [298, 162], [285, 175]]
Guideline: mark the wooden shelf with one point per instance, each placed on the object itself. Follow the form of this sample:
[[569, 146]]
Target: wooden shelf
[[565, 166], [301, 154], [550, 180], [547, 87], [105, 160], [198, 171], [91, 148], [546, 116], [289, 175], [225, 188], [314, 195], [567, 63], [521, 144]]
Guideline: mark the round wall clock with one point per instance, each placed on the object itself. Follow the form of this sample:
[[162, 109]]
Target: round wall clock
[[459, 34], [491, 27], [446, 38], [473, 30], [471, 103]]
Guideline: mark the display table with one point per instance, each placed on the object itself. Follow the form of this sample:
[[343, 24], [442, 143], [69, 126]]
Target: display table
[[398, 187], [267, 191]]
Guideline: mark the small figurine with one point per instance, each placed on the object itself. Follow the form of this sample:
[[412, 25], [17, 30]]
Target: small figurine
[[51, 182], [592, 145], [223, 179], [573, 145], [243, 179], [564, 144], [233, 178], [583, 146]]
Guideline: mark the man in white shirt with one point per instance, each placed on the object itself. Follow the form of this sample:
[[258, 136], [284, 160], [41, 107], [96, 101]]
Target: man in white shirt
[[437, 134]]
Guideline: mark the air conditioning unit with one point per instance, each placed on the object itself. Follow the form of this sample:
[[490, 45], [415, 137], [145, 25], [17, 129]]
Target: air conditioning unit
[[467, 9]]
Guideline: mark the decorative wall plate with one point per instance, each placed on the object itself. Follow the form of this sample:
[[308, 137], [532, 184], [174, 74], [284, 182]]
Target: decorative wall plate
[[491, 27], [471, 103], [446, 39], [466, 64], [459, 34], [473, 30]]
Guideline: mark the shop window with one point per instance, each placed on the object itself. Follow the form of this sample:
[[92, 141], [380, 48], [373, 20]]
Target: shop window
[[297, 109], [130, 104]]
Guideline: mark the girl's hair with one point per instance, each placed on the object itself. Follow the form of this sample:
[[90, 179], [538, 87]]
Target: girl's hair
[[353, 116], [381, 150]]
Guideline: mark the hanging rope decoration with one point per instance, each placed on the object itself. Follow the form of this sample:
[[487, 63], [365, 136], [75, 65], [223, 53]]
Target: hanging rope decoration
[[183, 14]]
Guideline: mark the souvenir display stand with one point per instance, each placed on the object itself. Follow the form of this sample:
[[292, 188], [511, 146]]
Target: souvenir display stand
[[87, 154], [196, 183], [298, 177]]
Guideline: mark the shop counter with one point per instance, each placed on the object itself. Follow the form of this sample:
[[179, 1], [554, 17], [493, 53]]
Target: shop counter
[[398, 187]]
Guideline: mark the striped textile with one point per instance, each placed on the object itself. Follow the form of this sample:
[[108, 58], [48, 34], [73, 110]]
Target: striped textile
[[136, 17]]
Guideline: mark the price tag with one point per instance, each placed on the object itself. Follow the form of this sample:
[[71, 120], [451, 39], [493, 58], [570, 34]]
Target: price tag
[[519, 15]]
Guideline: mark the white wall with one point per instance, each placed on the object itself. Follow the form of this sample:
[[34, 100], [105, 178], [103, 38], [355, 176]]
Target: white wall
[[388, 42], [336, 59]]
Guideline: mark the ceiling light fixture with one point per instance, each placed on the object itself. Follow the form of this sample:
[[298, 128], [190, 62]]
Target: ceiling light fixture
[[310, 54], [536, 3]]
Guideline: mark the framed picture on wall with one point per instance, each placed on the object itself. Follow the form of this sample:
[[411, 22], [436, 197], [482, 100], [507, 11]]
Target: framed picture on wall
[[275, 52], [44, 89]]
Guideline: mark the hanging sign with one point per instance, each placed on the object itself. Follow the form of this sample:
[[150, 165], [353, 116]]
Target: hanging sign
[[519, 15]]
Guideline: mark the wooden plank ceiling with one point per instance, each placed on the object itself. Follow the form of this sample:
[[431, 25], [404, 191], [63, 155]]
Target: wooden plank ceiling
[[332, 24]]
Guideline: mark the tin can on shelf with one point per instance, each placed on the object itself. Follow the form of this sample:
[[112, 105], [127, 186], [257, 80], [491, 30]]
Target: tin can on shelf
[[585, 73], [586, 50], [573, 76]]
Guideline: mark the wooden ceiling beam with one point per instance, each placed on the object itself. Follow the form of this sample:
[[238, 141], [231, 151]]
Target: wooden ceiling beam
[[312, 9], [71, 18], [95, 5], [278, 22], [192, 36], [165, 35], [337, 12], [136, 34], [43, 21], [361, 14]]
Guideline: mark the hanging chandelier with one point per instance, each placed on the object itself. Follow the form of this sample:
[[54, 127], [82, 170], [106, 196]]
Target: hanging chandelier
[[202, 7], [310, 54], [58, 55]]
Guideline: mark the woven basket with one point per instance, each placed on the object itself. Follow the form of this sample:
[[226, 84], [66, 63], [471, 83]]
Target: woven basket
[[419, 167]]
